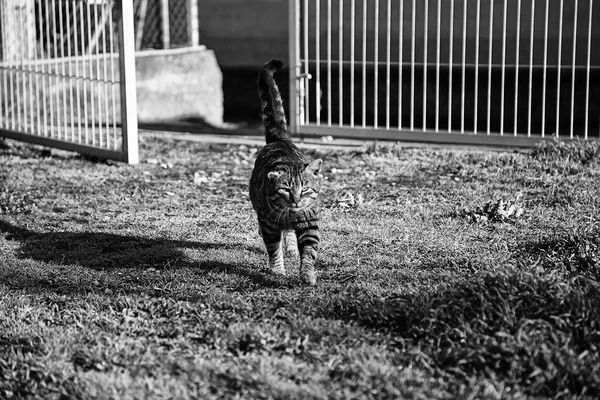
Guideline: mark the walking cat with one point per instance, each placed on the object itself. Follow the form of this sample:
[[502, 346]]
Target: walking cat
[[284, 188]]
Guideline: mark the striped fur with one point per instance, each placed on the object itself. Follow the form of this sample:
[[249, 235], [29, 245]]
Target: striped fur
[[284, 188], [273, 115]]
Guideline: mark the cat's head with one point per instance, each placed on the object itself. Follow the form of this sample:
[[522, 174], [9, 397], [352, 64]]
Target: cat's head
[[295, 187]]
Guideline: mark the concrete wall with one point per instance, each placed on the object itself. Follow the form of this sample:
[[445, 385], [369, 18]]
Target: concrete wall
[[172, 85], [179, 84]]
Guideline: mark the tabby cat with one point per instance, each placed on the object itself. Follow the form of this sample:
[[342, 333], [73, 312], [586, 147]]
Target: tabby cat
[[284, 188]]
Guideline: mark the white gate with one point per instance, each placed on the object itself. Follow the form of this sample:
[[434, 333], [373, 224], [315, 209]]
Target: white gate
[[450, 71], [67, 75]]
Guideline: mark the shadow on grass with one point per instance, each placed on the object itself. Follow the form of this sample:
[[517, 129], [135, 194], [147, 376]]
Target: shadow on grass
[[575, 253], [533, 331], [107, 251]]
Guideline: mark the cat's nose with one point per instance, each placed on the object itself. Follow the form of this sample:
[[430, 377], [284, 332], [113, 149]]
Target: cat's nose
[[295, 197]]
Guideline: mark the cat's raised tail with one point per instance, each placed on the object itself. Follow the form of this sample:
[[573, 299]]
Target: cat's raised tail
[[273, 115]]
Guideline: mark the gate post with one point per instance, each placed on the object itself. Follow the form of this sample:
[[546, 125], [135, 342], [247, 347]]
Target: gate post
[[129, 123], [294, 63]]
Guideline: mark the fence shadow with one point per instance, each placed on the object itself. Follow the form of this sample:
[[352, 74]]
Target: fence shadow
[[128, 253]]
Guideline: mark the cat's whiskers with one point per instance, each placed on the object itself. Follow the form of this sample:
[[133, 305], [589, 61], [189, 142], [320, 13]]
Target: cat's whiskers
[[278, 219]]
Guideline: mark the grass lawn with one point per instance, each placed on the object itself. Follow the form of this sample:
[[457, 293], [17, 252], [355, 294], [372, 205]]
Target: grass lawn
[[443, 274]]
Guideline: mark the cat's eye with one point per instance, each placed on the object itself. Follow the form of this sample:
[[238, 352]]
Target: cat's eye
[[305, 189]]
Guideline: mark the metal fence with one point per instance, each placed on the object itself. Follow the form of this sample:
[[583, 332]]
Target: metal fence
[[165, 24], [67, 75], [465, 71]]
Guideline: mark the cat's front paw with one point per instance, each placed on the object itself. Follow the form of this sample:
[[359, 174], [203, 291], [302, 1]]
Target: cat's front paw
[[277, 271], [276, 266], [308, 277]]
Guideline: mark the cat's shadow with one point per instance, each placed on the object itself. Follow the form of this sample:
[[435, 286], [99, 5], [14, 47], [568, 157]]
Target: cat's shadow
[[108, 251]]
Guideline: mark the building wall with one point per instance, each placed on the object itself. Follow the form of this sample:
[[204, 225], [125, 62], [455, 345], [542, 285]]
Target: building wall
[[244, 32]]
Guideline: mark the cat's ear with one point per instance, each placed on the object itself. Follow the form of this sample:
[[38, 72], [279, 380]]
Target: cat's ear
[[274, 174], [314, 167]]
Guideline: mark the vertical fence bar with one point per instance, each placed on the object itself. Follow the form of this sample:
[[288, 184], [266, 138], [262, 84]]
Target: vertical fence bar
[[490, 66], [587, 72], [141, 24], [437, 65], [99, 72], [64, 80], [12, 83], [113, 82], [77, 78], [545, 69], [464, 69], [329, 110], [318, 91], [37, 71], [341, 63], [7, 116], [193, 32], [22, 89], [4, 110], [376, 63], [352, 57], [97, 76], [165, 24], [6, 99], [70, 69], [55, 73], [306, 101], [294, 67], [450, 62], [105, 72], [477, 38], [530, 94], [387, 64], [559, 68], [29, 57], [11, 93], [84, 81], [91, 76], [364, 67], [503, 67], [573, 68], [48, 79], [518, 49], [18, 63], [128, 86], [8, 76], [400, 61], [413, 40], [425, 40]]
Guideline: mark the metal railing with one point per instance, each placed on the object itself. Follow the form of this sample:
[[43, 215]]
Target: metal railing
[[165, 24], [467, 71], [67, 75]]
